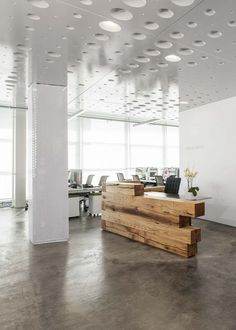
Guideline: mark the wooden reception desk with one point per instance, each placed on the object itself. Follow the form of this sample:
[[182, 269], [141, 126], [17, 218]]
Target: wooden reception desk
[[152, 218]]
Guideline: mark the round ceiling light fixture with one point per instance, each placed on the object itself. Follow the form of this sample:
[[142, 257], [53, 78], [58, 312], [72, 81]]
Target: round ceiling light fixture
[[199, 43], [121, 14], [43, 4], [183, 3], [109, 26], [151, 52], [172, 58], [135, 3]]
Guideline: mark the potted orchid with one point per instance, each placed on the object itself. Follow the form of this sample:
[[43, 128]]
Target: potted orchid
[[190, 175]]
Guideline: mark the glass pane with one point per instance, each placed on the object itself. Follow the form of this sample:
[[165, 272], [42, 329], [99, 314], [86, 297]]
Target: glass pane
[[145, 156], [146, 135], [172, 136], [6, 153], [172, 157], [5, 186]]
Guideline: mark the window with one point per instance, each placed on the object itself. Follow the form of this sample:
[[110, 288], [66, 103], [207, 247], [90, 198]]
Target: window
[[104, 147], [6, 124]]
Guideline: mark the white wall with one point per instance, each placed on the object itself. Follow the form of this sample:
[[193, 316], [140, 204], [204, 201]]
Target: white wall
[[208, 144]]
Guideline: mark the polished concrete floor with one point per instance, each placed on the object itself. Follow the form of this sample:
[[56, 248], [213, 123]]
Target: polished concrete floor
[[102, 281]]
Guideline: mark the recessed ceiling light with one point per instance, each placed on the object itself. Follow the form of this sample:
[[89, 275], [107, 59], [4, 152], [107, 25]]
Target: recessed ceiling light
[[69, 27], [43, 4], [109, 26], [121, 14], [29, 28], [172, 58]]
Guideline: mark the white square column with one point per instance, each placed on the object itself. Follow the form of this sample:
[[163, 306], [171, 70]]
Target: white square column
[[19, 157], [48, 189]]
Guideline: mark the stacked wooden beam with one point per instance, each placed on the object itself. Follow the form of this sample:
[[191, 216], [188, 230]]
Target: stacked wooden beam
[[161, 222]]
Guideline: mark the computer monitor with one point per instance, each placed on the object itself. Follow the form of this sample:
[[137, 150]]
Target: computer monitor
[[75, 177]]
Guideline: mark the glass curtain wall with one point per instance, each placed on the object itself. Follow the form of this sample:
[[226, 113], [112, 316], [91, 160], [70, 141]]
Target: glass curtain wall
[[103, 147], [6, 146]]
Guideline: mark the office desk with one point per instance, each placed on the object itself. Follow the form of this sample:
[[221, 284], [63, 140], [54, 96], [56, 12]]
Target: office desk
[[83, 191], [156, 219], [78, 194]]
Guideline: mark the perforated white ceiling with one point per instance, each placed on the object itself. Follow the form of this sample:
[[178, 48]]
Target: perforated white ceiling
[[126, 59]]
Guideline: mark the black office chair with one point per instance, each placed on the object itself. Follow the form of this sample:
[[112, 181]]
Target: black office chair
[[136, 178], [120, 177], [172, 185], [103, 179], [88, 183], [159, 180]]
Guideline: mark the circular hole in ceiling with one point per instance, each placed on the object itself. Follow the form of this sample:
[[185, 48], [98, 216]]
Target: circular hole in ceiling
[[121, 14], [54, 54], [151, 52], [33, 17], [172, 58], [199, 43], [192, 25], [192, 63], [101, 36], [127, 44], [165, 13], [151, 25], [185, 51], [109, 26], [162, 64], [209, 12], [163, 44], [135, 3], [69, 27], [43, 4], [139, 36], [215, 34], [204, 57], [93, 45], [182, 3], [231, 23], [142, 59], [86, 2], [76, 15], [176, 35], [29, 28], [133, 65]]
